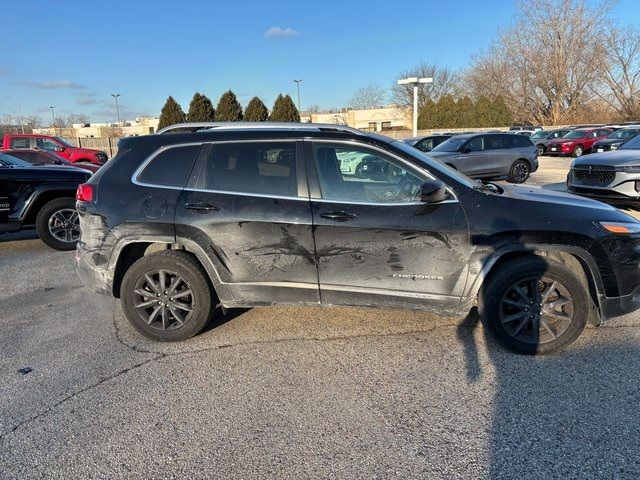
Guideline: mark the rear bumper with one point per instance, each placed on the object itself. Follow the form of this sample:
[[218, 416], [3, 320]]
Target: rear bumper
[[95, 277]]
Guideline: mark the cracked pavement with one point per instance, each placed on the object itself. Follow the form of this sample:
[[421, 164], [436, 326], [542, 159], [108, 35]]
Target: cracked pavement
[[298, 392]]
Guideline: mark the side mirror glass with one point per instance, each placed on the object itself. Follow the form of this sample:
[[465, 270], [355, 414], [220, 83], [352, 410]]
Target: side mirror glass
[[433, 191]]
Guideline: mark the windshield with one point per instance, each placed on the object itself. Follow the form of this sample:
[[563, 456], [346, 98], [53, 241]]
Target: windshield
[[540, 134], [9, 160], [62, 142], [633, 144], [576, 134], [451, 145], [434, 164], [624, 133]]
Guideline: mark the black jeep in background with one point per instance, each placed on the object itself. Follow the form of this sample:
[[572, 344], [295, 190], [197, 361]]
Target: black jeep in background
[[40, 197], [263, 214]]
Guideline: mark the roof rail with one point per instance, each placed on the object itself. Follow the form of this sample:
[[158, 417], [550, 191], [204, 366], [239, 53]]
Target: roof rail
[[200, 126]]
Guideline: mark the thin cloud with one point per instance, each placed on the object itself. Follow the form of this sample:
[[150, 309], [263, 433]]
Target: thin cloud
[[277, 32], [4, 71], [57, 85], [85, 101]]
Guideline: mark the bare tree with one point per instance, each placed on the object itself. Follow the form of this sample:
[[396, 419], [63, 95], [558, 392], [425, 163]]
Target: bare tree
[[371, 96], [445, 82], [620, 69], [76, 118], [546, 65]]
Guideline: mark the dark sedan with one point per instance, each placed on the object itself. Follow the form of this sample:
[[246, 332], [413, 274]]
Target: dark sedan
[[43, 158], [616, 139]]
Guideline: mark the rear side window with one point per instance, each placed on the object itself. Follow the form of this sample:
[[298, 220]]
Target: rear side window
[[171, 167], [18, 142], [519, 141], [495, 142], [264, 168]]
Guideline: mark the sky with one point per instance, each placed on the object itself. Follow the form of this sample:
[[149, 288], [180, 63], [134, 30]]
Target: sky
[[74, 54]]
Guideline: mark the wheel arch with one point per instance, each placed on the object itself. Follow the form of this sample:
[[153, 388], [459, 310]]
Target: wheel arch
[[42, 196], [576, 259]]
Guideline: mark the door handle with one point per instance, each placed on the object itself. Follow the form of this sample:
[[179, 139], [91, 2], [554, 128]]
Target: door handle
[[338, 216], [201, 207]]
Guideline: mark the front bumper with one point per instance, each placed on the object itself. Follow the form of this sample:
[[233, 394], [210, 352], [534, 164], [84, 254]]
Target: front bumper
[[621, 186], [611, 307]]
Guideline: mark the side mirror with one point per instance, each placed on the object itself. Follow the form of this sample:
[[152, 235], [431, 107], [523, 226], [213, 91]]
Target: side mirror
[[433, 191]]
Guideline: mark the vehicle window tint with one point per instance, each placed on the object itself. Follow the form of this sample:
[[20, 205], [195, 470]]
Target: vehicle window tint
[[265, 168], [43, 159], [495, 142], [24, 155], [425, 145], [19, 142], [475, 144], [171, 167], [46, 144], [518, 141], [358, 174]]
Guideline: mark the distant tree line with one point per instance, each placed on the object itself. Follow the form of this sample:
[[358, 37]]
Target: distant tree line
[[447, 112], [228, 109]]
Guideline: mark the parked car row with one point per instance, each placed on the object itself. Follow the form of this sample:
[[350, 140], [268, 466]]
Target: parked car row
[[50, 143]]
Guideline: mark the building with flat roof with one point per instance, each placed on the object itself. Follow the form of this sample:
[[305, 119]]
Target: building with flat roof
[[382, 119]]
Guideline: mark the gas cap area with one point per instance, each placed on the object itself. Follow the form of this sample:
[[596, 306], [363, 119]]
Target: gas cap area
[[154, 207]]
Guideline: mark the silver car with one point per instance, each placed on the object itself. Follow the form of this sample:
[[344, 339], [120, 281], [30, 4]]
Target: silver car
[[613, 175], [489, 155]]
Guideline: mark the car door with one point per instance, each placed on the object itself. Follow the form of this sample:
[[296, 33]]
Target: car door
[[247, 206], [14, 186], [472, 158], [376, 242], [499, 151]]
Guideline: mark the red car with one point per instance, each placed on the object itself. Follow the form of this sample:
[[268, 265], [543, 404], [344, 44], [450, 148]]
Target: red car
[[15, 141], [42, 157], [577, 142]]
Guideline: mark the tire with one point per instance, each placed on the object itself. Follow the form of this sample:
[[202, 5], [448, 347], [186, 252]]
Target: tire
[[578, 151], [359, 173], [519, 172], [58, 221], [540, 149], [168, 328], [514, 326]]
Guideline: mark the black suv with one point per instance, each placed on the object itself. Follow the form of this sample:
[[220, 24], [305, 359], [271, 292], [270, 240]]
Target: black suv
[[247, 215], [40, 197]]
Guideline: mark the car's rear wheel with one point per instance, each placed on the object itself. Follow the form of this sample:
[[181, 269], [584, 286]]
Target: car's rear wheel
[[540, 149], [534, 306], [519, 172], [58, 225], [167, 296], [578, 151]]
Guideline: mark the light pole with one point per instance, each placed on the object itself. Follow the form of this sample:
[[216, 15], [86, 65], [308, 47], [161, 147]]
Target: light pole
[[297, 82], [116, 95], [53, 116], [415, 81]]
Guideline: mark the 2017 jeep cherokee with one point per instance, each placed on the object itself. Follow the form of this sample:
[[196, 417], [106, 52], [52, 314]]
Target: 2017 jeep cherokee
[[247, 215]]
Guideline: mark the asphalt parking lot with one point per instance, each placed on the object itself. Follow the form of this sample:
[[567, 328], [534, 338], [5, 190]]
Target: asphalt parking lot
[[299, 392]]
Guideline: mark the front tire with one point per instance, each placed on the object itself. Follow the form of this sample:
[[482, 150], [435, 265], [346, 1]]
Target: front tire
[[58, 224], [578, 151], [519, 172], [533, 305], [167, 296], [540, 149]]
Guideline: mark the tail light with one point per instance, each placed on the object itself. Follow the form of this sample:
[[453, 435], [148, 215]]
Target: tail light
[[85, 193]]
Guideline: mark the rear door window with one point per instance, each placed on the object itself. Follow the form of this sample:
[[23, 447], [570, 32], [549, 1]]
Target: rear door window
[[20, 142], [263, 168], [495, 142], [171, 167]]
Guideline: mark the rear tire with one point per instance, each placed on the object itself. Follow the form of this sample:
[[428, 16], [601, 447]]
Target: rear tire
[[541, 325], [578, 151], [57, 224], [519, 172], [172, 309]]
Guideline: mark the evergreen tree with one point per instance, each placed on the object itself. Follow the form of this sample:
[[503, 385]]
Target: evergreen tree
[[229, 109], [426, 115], [284, 110], [446, 113], [466, 113], [171, 113], [256, 111], [501, 114], [484, 116], [200, 109]]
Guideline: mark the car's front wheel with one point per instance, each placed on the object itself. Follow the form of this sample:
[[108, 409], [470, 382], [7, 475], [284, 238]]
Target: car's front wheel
[[534, 305], [578, 151], [58, 225], [519, 172], [540, 149], [167, 296]]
